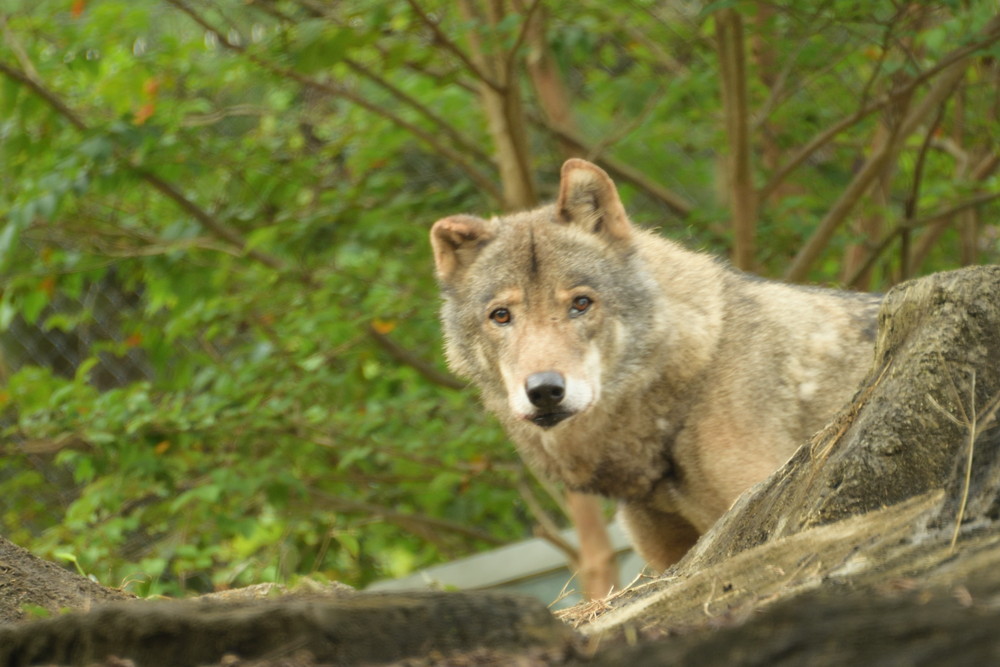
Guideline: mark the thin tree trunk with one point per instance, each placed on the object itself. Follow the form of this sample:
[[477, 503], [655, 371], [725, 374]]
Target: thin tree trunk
[[503, 108], [871, 226], [855, 264], [767, 68], [968, 221], [968, 228], [550, 88], [743, 198]]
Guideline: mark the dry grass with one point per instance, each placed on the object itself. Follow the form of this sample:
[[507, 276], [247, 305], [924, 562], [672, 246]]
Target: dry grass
[[974, 422], [588, 611]]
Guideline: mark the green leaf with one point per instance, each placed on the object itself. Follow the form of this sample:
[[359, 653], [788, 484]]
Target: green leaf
[[9, 94], [83, 370], [262, 236], [32, 304], [718, 5], [96, 147], [9, 233], [320, 45]]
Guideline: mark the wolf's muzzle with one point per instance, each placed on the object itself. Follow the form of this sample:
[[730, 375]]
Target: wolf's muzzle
[[546, 390]]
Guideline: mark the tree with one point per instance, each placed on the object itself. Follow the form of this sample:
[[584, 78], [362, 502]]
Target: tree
[[220, 355]]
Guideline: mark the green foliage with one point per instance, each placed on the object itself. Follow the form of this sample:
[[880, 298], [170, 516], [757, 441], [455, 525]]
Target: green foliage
[[204, 222]]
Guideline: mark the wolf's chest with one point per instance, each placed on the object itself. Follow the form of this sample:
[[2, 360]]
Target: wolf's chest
[[623, 459]]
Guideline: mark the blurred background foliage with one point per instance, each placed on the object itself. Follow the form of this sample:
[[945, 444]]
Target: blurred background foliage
[[220, 356]]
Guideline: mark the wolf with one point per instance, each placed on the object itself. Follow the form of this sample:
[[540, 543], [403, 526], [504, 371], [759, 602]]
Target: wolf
[[625, 365]]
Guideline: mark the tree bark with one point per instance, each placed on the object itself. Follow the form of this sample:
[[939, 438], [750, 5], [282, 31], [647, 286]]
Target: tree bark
[[871, 226], [308, 630], [501, 100], [739, 173], [550, 87]]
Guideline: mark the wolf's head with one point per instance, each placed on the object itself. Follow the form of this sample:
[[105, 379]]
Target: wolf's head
[[544, 310]]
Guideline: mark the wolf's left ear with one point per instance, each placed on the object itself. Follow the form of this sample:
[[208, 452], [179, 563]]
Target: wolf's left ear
[[457, 241], [588, 198]]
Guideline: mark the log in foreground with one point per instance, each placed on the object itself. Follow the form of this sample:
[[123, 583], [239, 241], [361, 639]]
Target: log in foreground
[[357, 629], [877, 542]]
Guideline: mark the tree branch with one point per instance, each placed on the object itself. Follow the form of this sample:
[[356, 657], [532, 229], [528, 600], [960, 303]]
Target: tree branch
[[522, 35], [981, 172], [442, 39], [218, 228], [440, 124], [402, 355], [550, 87], [992, 32], [626, 172], [626, 127], [574, 144], [482, 180], [417, 523], [209, 222], [504, 115], [922, 221], [910, 206], [48, 96], [813, 247]]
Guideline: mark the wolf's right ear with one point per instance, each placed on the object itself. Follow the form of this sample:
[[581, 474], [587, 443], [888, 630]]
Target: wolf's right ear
[[457, 240], [589, 199]]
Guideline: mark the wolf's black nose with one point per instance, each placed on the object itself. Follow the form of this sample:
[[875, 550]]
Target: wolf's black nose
[[545, 390]]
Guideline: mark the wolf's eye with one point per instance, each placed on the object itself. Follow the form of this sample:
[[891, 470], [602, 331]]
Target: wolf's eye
[[579, 305], [500, 316]]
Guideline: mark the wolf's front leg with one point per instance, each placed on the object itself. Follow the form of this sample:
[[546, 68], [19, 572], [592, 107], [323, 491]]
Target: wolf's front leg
[[661, 538]]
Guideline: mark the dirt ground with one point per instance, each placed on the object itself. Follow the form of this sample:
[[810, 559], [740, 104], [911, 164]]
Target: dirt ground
[[31, 587]]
